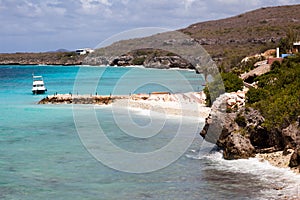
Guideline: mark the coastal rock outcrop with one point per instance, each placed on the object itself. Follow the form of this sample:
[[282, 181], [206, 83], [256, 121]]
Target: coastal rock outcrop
[[124, 60], [166, 62], [97, 60], [291, 135], [222, 121], [218, 124], [295, 159], [223, 129], [149, 61], [240, 132], [237, 147]]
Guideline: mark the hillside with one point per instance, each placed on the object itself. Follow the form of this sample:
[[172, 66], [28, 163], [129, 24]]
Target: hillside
[[229, 40]]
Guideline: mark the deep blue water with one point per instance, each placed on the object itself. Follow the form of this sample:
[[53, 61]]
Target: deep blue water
[[42, 156]]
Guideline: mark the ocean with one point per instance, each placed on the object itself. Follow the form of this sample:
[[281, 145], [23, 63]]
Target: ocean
[[43, 155]]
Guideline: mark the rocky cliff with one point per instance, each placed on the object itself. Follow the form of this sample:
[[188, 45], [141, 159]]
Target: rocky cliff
[[241, 134], [160, 61]]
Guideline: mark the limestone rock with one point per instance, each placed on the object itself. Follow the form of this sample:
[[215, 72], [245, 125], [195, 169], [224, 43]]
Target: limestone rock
[[221, 129], [238, 147], [97, 60], [250, 76], [166, 62], [124, 60], [218, 124], [295, 158], [291, 135], [230, 130], [253, 117]]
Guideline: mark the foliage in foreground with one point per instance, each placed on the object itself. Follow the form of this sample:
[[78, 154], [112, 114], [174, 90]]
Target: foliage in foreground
[[278, 94]]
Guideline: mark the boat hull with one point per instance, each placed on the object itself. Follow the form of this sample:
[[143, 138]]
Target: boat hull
[[38, 91]]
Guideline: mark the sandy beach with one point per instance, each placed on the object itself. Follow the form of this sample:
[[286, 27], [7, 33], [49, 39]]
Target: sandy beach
[[185, 104]]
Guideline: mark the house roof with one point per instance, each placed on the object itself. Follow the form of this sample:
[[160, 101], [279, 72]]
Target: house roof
[[296, 43]]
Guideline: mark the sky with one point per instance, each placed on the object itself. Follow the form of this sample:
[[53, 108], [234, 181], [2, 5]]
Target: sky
[[48, 25]]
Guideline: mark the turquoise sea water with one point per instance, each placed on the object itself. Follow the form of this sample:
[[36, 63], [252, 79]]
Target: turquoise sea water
[[42, 157]]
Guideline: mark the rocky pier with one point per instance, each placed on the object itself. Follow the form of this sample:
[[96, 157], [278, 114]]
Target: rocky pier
[[190, 104], [79, 99]]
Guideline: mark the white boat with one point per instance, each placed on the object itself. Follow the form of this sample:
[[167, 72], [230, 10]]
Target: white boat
[[38, 86]]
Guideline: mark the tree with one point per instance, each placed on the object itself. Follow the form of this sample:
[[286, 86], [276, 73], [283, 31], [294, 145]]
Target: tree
[[286, 44]]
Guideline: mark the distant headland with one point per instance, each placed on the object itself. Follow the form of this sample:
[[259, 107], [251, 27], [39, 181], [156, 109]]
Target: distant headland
[[47, 58]]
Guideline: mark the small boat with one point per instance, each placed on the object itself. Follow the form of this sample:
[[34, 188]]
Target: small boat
[[38, 86]]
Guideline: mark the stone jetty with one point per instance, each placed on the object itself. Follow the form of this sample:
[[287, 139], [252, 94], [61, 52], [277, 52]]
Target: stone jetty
[[191, 97], [190, 104], [80, 99]]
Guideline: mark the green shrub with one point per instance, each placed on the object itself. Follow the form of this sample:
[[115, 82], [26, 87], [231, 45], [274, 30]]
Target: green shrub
[[278, 96], [232, 82], [255, 95], [138, 60], [276, 65]]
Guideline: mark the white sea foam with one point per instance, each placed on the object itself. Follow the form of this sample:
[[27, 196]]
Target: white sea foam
[[282, 182], [147, 112], [140, 111]]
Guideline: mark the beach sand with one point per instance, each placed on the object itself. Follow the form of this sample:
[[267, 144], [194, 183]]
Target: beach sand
[[187, 104]]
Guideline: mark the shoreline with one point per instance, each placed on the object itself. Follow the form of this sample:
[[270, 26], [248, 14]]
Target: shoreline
[[190, 104], [183, 104], [167, 108], [278, 159], [72, 59], [85, 65]]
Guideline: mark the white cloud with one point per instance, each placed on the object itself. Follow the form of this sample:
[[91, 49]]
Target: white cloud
[[28, 9], [94, 6], [188, 3], [53, 7]]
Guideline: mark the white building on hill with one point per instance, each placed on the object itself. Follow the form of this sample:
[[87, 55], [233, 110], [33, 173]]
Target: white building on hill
[[84, 51]]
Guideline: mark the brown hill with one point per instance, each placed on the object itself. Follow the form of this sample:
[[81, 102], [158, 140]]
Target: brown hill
[[229, 40]]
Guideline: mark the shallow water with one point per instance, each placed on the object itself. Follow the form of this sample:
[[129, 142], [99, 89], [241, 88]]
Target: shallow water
[[42, 156]]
